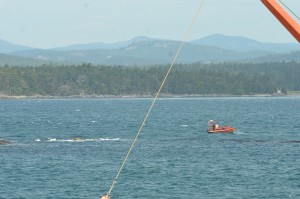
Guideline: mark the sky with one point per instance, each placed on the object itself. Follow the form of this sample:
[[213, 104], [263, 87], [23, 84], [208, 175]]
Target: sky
[[56, 23]]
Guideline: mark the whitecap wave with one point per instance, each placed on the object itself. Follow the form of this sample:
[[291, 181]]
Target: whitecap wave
[[184, 125], [52, 139], [82, 139]]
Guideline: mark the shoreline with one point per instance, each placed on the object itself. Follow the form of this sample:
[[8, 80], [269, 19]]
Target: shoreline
[[20, 97]]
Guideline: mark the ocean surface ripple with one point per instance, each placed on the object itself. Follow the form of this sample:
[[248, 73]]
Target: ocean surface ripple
[[74, 148]]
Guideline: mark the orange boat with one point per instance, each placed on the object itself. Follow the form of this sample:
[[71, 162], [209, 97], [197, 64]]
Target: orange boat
[[213, 127]]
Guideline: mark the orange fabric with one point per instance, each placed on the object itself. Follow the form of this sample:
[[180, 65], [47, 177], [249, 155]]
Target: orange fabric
[[105, 197], [287, 21]]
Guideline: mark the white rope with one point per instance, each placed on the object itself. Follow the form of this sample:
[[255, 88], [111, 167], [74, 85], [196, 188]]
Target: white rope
[[155, 98]]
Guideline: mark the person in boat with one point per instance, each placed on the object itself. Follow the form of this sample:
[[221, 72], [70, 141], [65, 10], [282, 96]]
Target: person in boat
[[105, 197], [215, 126]]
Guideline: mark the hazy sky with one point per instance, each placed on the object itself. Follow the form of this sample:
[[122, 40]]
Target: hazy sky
[[53, 23]]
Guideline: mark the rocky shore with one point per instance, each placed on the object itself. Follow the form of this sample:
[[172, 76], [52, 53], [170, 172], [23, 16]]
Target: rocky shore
[[4, 142], [162, 95]]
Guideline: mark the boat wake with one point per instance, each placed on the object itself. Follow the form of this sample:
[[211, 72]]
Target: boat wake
[[239, 133]]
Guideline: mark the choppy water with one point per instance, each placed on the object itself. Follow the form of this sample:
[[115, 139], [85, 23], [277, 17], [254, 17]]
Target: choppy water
[[74, 148]]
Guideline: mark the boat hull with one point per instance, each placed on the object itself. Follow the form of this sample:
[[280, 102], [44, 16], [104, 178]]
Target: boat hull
[[226, 130]]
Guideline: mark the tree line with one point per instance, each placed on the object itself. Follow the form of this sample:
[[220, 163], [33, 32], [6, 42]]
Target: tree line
[[197, 78]]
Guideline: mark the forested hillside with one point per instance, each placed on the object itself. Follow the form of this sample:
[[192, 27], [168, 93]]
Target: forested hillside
[[204, 79]]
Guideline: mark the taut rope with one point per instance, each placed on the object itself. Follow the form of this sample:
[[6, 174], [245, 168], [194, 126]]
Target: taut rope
[[156, 96]]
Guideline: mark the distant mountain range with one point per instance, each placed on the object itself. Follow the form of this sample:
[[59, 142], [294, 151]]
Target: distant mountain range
[[7, 47], [148, 51], [101, 45], [243, 44]]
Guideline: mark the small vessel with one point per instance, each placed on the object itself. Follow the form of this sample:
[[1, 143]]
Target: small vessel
[[213, 127]]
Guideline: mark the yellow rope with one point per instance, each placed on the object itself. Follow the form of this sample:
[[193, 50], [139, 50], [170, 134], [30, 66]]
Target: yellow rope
[[156, 96]]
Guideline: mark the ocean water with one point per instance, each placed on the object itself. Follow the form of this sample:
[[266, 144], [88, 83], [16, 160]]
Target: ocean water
[[74, 148]]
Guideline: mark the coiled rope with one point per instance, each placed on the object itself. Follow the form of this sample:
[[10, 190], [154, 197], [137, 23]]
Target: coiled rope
[[155, 98]]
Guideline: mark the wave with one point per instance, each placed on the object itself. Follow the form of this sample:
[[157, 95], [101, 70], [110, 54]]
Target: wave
[[239, 133], [184, 125], [78, 139]]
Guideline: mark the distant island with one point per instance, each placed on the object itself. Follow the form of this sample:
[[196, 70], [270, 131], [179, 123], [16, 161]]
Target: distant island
[[198, 79]]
